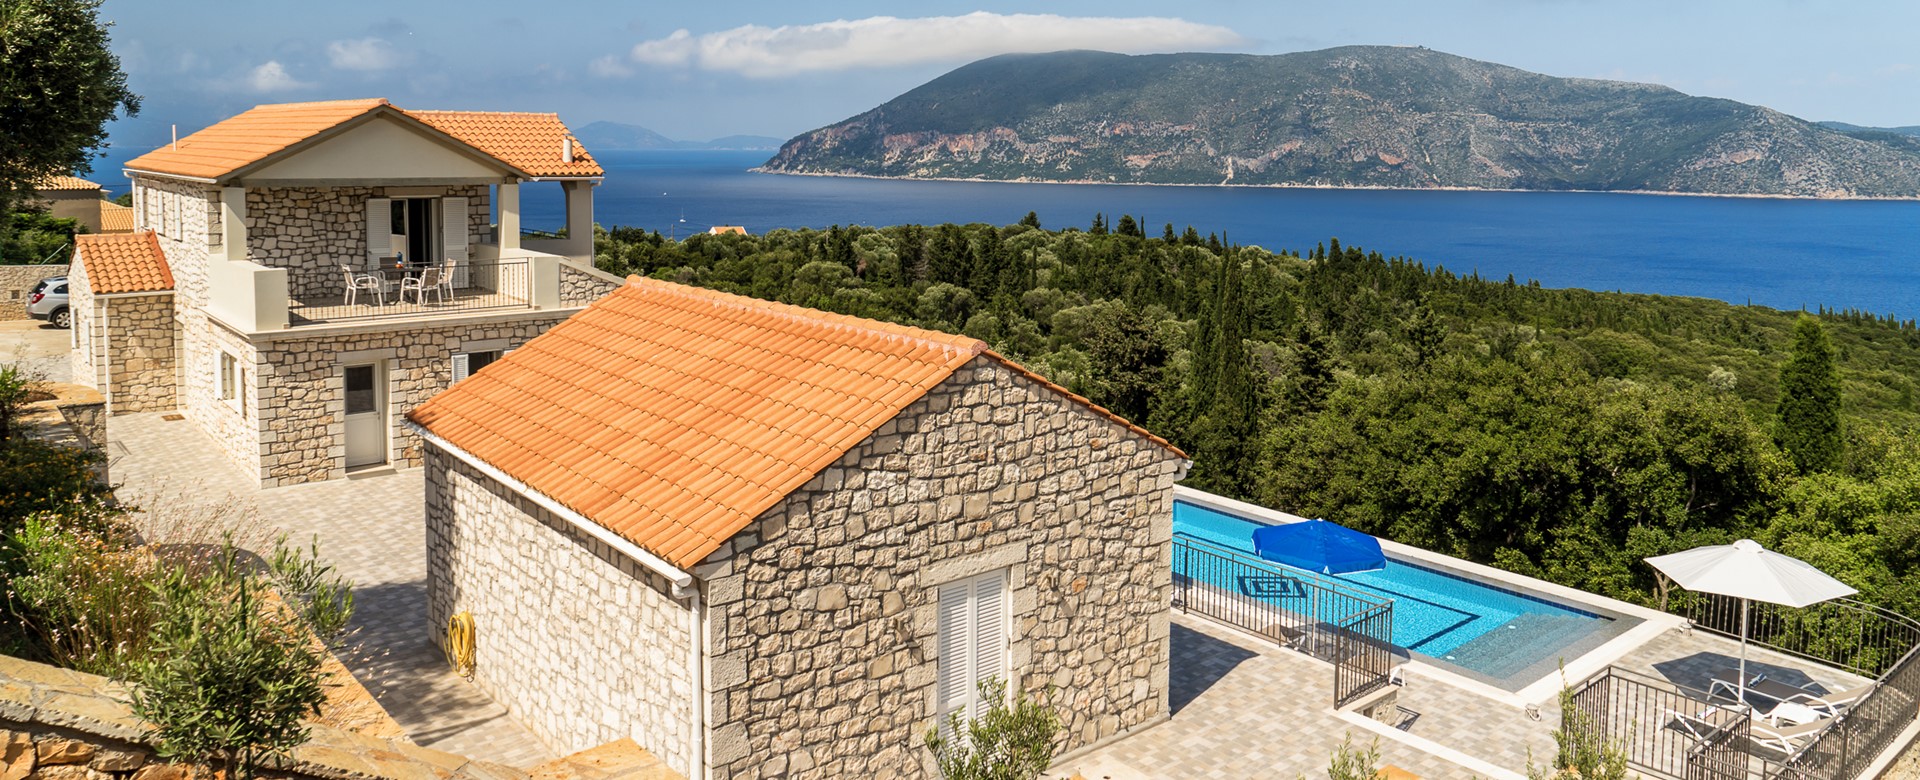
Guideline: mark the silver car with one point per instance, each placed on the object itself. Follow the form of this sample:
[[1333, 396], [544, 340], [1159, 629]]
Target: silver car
[[48, 301]]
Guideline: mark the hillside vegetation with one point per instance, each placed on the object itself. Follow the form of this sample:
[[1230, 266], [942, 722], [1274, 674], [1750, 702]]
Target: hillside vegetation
[[1350, 116], [1560, 433]]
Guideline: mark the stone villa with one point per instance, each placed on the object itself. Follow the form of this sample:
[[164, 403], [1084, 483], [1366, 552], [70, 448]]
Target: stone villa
[[767, 541], [308, 272]]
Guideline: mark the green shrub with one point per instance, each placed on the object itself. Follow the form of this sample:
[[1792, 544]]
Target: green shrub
[[1351, 763], [1011, 741], [85, 599], [233, 675]]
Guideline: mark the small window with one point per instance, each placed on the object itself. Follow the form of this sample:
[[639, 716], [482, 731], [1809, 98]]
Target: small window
[[228, 366], [361, 394], [61, 290], [465, 364]]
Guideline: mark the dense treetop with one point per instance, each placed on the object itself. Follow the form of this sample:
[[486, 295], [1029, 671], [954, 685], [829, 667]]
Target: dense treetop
[[1560, 433]]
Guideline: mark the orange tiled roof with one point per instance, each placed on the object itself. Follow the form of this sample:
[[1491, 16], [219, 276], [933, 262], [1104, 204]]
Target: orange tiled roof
[[249, 137], [123, 262], [530, 142], [524, 141], [115, 218], [63, 183], [674, 416]]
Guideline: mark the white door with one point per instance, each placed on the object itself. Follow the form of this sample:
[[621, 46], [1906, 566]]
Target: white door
[[366, 393]]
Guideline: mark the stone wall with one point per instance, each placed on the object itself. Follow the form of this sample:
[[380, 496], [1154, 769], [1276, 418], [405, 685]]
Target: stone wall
[[312, 230], [301, 393], [234, 427], [823, 612], [141, 344], [88, 357], [579, 642], [18, 280], [186, 215], [582, 284]]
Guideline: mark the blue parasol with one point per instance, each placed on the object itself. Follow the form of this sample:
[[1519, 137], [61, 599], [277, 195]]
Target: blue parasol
[[1317, 545]]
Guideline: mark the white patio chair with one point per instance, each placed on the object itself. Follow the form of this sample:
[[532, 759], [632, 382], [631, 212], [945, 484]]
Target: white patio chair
[[362, 281], [427, 281], [447, 276], [1785, 740]]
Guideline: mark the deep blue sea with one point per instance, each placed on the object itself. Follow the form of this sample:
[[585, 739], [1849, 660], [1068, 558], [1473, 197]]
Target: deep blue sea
[[1787, 254]]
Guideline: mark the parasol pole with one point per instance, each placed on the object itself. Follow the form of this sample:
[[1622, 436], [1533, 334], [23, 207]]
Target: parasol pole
[[1743, 651]]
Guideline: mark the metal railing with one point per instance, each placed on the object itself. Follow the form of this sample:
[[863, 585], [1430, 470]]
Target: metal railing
[[1664, 730], [1314, 614], [1858, 736], [1363, 654], [1843, 633], [480, 285]]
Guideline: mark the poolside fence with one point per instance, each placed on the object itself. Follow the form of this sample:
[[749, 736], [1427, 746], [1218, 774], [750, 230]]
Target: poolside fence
[[1679, 733], [1317, 615], [1846, 749], [1663, 730], [1844, 633]]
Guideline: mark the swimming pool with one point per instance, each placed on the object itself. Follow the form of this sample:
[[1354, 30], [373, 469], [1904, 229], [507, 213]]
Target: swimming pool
[[1491, 632]]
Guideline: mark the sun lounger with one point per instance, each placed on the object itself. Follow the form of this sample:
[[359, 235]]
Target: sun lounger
[[1726, 684], [1785, 740]]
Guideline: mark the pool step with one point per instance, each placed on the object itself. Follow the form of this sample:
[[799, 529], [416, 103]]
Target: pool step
[[1521, 642]]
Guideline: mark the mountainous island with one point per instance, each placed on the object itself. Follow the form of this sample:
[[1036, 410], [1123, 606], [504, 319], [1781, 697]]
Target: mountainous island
[[1355, 116], [619, 137]]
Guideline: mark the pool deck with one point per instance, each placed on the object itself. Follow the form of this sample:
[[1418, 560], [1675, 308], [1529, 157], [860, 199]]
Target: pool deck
[[1243, 707]]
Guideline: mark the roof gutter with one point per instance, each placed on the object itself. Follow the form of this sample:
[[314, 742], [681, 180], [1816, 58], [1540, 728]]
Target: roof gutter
[[682, 581]]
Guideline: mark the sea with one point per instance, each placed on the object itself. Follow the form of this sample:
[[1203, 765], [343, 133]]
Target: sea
[[1777, 252]]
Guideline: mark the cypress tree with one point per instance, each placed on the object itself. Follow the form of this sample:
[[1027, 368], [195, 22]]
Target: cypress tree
[[1809, 413]]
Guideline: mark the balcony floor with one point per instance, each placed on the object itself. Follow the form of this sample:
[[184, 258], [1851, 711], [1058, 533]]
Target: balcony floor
[[328, 309]]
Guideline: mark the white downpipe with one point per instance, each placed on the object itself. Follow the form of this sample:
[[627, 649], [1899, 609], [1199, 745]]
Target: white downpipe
[[696, 675], [680, 579]]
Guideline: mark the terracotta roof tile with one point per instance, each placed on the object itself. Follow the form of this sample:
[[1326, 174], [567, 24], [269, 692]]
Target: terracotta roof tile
[[674, 416], [530, 142], [63, 183], [115, 218], [249, 137], [123, 262]]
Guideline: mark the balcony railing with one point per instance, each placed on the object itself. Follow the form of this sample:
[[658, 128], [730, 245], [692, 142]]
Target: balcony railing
[[484, 285]]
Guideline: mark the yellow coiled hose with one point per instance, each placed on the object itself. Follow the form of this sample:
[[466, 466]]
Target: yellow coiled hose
[[459, 644]]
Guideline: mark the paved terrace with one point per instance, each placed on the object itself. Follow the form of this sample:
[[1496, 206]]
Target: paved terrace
[[1243, 707], [372, 528]]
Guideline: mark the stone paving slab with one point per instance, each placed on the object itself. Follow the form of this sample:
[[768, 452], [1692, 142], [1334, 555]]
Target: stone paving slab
[[371, 528]]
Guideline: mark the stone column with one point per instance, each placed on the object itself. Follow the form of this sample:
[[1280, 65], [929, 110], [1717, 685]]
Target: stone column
[[579, 220], [233, 222], [508, 201]]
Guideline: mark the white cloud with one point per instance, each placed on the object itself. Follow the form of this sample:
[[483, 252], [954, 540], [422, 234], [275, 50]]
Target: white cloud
[[363, 54], [271, 76], [609, 67], [886, 41]]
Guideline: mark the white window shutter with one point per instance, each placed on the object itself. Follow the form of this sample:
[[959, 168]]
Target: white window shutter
[[459, 366], [955, 684], [379, 230], [453, 228], [989, 636]]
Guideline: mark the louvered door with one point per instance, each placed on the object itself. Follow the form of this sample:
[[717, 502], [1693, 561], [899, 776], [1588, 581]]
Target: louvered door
[[972, 642]]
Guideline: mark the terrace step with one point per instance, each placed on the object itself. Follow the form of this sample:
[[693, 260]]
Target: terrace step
[[1518, 644]]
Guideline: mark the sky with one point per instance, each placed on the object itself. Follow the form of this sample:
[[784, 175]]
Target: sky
[[702, 70]]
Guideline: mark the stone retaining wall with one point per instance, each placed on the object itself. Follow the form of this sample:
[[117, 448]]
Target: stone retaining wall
[[823, 613], [58, 724], [578, 641], [18, 280]]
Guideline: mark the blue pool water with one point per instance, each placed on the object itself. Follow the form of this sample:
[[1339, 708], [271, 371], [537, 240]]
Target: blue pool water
[[1463, 622]]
